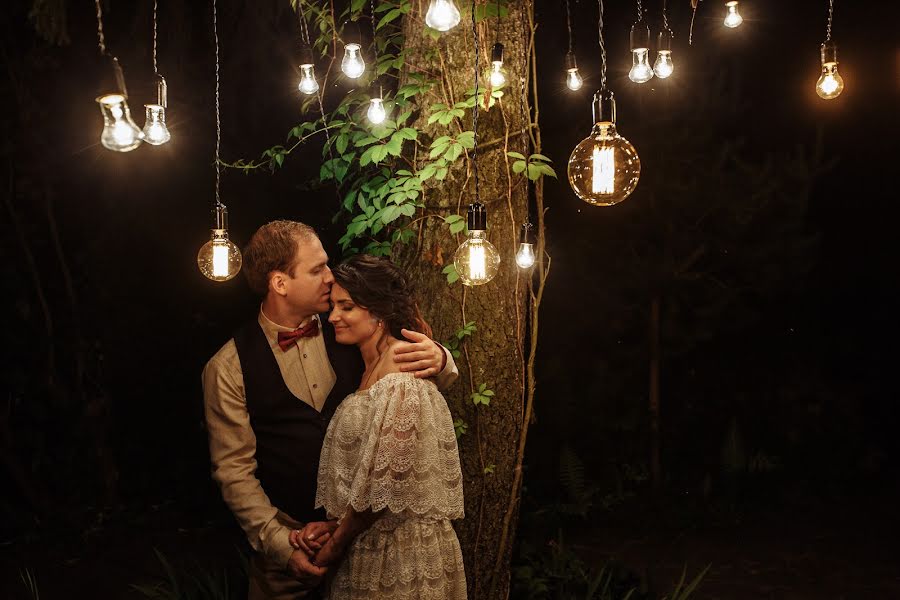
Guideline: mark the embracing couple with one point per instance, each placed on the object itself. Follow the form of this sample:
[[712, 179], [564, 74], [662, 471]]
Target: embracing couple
[[328, 436]]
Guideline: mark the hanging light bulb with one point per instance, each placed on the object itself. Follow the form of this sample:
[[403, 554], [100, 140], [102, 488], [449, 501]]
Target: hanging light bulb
[[830, 83], [476, 260], [573, 78], [497, 76], [604, 168], [120, 134], [308, 84], [376, 113], [155, 131], [525, 254], [663, 66], [442, 15], [640, 50], [733, 18], [219, 259], [352, 64]]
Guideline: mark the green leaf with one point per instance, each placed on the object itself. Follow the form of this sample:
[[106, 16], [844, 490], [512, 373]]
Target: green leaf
[[279, 159], [516, 155], [457, 227], [450, 272], [366, 157], [441, 174], [408, 209], [452, 219], [489, 469], [365, 141], [533, 172], [453, 152], [518, 166], [341, 143], [460, 427], [395, 146], [390, 213], [534, 157], [466, 139], [547, 170], [390, 16], [408, 133]]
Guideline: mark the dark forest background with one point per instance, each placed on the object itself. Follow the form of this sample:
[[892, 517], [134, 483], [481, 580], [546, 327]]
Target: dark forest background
[[763, 231]]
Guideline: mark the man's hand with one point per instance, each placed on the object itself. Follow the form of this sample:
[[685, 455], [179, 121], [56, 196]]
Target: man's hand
[[313, 536], [304, 571], [331, 553], [422, 355]]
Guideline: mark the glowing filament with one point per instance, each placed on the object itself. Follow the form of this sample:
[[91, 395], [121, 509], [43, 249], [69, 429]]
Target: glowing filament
[[604, 170], [220, 259]]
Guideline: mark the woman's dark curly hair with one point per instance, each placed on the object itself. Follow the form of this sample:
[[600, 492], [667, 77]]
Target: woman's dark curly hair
[[382, 288]]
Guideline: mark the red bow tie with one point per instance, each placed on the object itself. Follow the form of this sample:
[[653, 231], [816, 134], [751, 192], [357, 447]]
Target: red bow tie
[[286, 339]]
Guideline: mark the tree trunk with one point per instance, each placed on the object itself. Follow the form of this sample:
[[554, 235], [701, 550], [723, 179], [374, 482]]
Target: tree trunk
[[494, 354]]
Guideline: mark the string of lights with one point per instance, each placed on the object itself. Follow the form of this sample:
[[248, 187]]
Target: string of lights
[[830, 83], [574, 81]]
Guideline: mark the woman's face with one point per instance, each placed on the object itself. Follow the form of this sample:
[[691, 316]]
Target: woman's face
[[353, 324]]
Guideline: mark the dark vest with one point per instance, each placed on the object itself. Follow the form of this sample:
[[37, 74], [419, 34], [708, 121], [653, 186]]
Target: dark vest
[[289, 432]]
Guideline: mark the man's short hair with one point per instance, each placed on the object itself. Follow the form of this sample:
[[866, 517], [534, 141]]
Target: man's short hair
[[273, 248]]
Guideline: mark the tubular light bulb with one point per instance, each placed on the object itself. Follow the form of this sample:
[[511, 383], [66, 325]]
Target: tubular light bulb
[[604, 168], [352, 64], [155, 131], [442, 15], [573, 77], [640, 53], [120, 134], [308, 84], [733, 18], [376, 113], [476, 260], [830, 83]]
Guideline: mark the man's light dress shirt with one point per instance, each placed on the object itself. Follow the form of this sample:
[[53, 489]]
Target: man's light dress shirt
[[308, 375]]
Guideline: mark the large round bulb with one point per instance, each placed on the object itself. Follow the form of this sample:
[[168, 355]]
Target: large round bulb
[[442, 15], [376, 114], [352, 64], [604, 168], [120, 134], [663, 66], [497, 76], [830, 83], [733, 18], [525, 256], [155, 130], [219, 259], [308, 84], [574, 80], [640, 66], [476, 260]]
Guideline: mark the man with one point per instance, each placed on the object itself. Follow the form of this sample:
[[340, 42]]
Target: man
[[269, 394]]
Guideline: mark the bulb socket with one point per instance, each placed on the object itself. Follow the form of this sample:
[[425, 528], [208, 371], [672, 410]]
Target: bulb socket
[[604, 106], [220, 217], [497, 53], [640, 36], [526, 235], [664, 41], [476, 217], [829, 52], [162, 91], [306, 56], [570, 61], [119, 76], [351, 33]]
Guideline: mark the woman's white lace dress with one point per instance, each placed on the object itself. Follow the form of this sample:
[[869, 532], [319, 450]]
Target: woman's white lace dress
[[393, 447]]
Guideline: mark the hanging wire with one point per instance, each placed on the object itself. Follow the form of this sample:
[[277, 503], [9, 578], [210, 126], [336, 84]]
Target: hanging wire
[[155, 69], [830, 17], [526, 127], [602, 47], [374, 40], [569, 26], [475, 109], [218, 126], [101, 40], [695, 3], [640, 10], [665, 16], [497, 32], [304, 27]]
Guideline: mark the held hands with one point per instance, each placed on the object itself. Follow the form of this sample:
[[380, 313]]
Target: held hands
[[313, 536], [304, 571], [421, 355]]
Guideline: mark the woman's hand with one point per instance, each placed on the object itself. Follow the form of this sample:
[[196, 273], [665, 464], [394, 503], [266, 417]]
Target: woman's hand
[[313, 536], [330, 554]]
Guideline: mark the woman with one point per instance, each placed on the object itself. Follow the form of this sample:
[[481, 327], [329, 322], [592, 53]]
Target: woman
[[389, 473]]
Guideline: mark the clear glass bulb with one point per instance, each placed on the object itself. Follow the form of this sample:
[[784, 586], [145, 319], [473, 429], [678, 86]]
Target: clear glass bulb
[[525, 256], [733, 18], [663, 66], [830, 83], [604, 168], [308, 84], [376, 113], [219, 259], [120, 134], [476, 259], [574, 80], [640, 66], [155, 131], [497, 76], [442, 15], [352, 64]]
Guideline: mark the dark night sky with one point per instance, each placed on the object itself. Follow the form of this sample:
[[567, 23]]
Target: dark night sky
[[132, 223]]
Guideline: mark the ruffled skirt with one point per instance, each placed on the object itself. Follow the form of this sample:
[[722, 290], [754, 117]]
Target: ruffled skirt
[[402, 558]]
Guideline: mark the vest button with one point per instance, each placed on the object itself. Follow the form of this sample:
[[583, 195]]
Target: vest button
[[304, 356], [315, 386]]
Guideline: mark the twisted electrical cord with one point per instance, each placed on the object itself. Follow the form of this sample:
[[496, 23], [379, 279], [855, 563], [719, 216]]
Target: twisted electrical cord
[[602, 47], [830, 18], [475, 109], [218, 125]]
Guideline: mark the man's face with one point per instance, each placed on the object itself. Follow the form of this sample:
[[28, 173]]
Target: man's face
[[308, 286]]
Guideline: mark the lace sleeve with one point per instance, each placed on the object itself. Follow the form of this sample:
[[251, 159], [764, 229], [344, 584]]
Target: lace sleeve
[[410, 460]]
